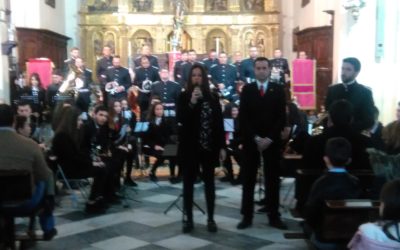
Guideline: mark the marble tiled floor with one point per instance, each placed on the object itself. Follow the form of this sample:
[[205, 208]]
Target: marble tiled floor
[[143, 225]]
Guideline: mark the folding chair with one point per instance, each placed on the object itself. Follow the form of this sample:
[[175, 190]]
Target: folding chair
[[81, 183]]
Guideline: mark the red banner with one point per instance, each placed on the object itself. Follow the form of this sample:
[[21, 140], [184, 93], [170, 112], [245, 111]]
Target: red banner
[[41, 66], [303, 83], [173, 56]]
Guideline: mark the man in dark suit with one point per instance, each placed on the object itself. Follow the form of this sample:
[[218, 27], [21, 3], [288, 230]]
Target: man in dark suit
[[357, 94], [178, 67], [224, 76], [261, 120], [83, 85], [211, 60], [118, 80], [147, 53], [247, 66], [237, 61]]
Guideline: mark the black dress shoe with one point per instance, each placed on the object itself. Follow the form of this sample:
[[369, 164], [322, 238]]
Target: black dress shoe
[[226, 179], [49, 235], [130, 182], [262, 210], [187, 227], [211, 226], [278, 223], [153, 177], [95, 208], [244, 224]]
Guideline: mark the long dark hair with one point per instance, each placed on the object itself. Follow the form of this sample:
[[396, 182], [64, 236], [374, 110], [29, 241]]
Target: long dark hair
[[151, 116], [68, 124], [36, 75], [205, 86]]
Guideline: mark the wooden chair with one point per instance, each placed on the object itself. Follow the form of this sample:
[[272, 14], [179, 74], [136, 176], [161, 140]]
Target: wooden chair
[[341, 219], [16, 188]]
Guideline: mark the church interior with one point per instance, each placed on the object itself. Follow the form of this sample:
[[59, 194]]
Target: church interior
[[149, 216]]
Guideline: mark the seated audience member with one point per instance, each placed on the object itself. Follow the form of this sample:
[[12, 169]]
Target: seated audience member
[[18, 152], [375, 132], [22, 126], [384, 234], [295, 133], [336, 184], [233, 143], [156, 138], [25, 109], [391, 134], [339, 121], [121, 127], [77, 161], [129, 117]]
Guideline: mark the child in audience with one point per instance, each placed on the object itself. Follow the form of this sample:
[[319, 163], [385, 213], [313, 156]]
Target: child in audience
[[336, 184], [384, 234]]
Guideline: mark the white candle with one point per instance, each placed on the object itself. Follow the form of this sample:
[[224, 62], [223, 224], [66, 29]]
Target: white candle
[[129, 49], [217, 45]]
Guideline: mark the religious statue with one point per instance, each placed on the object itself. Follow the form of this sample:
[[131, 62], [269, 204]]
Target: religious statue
[[142, 5], [178, 23], [217, 5], [254, 5]]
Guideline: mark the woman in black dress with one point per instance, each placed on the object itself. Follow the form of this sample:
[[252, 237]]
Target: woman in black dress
[[201, 141]]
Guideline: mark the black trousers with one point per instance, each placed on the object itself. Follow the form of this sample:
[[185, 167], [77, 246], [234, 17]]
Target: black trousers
[[191, 167], [271, 157], [238, 156]]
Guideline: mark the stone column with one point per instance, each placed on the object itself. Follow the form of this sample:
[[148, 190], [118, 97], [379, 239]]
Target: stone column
[[199, 5], [4, 70], [234, 5], [158, 6]]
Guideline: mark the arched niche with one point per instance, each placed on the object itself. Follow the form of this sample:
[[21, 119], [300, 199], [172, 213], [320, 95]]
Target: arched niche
[[216, 5], [97, 43], [261, 42], [139, 39], [211, 41], [186, 41], [110, 39]]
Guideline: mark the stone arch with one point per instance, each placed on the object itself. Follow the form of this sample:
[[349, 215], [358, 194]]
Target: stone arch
[[139, 39], [211, 42], [186, 41]]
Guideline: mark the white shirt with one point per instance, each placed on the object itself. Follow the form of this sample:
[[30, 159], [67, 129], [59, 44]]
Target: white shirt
[[264, 84]]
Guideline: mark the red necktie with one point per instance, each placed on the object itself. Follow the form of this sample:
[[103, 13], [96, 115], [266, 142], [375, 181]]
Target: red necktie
[[262, 90]]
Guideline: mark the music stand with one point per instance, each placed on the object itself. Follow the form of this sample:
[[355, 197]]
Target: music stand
[[140, 128], [171, 150]]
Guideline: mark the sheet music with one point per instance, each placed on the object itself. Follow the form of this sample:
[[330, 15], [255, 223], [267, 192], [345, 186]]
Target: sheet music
[[229, 125]]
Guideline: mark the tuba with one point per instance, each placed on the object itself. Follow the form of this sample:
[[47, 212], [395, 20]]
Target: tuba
[[72, 83]]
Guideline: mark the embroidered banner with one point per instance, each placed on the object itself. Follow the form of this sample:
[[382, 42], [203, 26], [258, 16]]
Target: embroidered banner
[[303, 85]]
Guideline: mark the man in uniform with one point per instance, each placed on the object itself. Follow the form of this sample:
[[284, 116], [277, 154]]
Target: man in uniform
[[118, 81], [211, 60], [74, 53], [247, 66], [52, 90], [178, 67], [102, 65], [147, 53], [280, 68], [237, 61], [224, 76], [192, 59], [168, 92], [146, 75]]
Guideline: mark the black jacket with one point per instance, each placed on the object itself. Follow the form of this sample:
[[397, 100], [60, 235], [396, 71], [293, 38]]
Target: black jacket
[[315, 148], [361, 99], [262, 116], [188, 119]]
